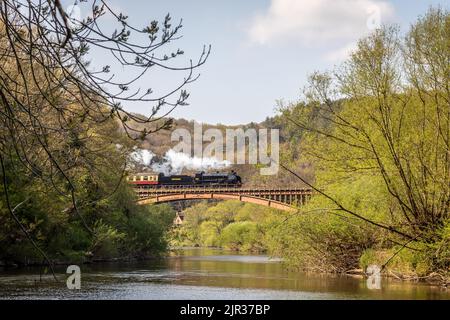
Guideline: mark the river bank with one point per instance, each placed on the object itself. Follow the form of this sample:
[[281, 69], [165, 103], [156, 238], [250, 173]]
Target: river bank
[[434, 280], [204, 274], [11, 265]]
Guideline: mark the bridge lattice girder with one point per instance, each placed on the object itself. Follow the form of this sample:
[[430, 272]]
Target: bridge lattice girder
[[282, 199]]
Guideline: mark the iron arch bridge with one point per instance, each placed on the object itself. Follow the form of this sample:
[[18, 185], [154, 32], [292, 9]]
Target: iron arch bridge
[[281, 199]]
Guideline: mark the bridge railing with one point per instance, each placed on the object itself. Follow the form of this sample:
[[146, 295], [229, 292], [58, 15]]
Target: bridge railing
[[291, 196], [271, 199], [223, 190]]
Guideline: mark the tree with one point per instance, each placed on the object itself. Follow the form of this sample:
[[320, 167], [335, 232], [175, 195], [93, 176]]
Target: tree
[[55, 108], [384, 116]]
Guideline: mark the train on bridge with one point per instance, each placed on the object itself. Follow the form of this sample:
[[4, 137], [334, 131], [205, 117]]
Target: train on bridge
[[201, 179]]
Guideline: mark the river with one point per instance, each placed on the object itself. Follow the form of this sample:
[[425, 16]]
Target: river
[[204, 274]]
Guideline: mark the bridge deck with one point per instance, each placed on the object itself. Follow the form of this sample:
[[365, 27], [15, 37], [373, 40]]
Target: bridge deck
[[283, 199], [232, 190]]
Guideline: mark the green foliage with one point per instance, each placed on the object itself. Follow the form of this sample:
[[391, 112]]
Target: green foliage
[[243, 235], [105, 240], [229, 224], [106, 224], [210, 233], [146, 230], [376, 132]]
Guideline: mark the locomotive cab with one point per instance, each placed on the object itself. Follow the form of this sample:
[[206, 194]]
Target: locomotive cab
[[233, 178]]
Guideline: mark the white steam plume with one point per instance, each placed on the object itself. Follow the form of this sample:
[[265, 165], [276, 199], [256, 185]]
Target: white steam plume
[[143, 156], [174, 162]]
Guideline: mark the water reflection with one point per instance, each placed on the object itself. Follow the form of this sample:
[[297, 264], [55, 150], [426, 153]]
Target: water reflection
[[205, 274]]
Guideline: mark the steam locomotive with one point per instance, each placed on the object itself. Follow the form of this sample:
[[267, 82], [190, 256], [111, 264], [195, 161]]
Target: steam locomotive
[[149, 180]]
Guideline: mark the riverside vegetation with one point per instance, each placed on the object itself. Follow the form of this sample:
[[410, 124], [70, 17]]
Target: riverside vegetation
[[64, 139], [228, 224], [377, 130], [376, 133], [110, 225]]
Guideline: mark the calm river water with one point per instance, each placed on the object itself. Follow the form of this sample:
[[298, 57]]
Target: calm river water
[[204, 274]]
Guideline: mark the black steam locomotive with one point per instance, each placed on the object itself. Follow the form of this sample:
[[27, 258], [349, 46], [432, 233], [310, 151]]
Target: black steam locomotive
[[149, 180]]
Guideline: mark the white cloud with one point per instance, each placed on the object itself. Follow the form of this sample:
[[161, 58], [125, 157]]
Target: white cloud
[[341, 53], [318, 22]]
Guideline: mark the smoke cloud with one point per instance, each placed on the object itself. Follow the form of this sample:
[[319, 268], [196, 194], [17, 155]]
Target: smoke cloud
[[143, 156], [174, 162]]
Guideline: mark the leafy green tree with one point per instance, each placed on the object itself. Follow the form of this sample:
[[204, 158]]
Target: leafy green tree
[[209, 233], [243, 235], [64, 134], [379, 123], [229, 224]]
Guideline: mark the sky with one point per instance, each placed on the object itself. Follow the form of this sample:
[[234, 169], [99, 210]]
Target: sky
[[262, 51]]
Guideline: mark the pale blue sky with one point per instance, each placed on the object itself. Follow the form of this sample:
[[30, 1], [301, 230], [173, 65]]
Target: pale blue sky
[[261, 50]]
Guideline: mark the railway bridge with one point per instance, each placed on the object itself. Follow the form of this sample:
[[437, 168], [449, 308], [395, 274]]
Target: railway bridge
[[282, 199]]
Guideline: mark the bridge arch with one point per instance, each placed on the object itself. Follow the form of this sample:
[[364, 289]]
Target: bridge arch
[[217, 196]]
